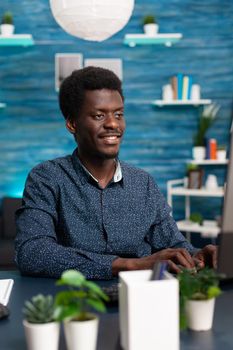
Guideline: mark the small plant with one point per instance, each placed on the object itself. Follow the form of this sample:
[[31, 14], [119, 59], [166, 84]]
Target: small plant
[[149, 19], [40, 309], [7, 18], [191, 166], [206, 120], [222, 148], [196, 217], [200, 285], [81, 296]]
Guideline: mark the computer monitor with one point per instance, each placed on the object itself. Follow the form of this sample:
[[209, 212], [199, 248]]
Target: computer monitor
[[225, 255]]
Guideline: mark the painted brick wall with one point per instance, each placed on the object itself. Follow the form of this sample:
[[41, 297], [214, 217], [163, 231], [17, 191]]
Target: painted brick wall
[[157, 139]]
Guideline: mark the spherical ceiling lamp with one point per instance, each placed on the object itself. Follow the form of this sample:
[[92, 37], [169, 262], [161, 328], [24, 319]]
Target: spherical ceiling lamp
[[94, 20]]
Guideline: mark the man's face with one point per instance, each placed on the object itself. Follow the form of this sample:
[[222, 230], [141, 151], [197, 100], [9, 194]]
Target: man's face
[[100, 125]]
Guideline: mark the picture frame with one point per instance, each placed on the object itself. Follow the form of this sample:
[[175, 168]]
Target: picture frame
[[195, 178], [65, 64]]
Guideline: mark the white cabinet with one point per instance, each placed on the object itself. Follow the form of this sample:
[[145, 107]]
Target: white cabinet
[[179, 188]]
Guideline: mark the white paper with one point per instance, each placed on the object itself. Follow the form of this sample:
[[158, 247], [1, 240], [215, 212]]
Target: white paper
[[5, 290]]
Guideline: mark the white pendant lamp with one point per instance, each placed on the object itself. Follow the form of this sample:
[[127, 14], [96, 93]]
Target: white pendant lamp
[[94, 20]]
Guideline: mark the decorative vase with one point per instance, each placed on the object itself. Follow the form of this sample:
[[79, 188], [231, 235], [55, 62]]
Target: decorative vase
[[7, 29], [42, 335], [151, 29], [81, 335], [200, 314], [199, 152]]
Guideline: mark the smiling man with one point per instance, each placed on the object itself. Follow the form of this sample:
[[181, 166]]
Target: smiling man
[[89, 211]]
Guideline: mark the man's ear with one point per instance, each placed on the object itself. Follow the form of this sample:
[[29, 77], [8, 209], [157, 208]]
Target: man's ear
[[71, 126]]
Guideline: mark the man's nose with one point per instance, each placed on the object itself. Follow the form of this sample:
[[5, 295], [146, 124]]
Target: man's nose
[[111, 121]]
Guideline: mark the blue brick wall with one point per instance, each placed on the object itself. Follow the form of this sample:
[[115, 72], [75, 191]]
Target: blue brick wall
[[157, 139]]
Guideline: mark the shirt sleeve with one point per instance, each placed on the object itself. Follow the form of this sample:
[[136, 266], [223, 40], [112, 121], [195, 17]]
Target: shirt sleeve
[[37, 249], [164, 232]]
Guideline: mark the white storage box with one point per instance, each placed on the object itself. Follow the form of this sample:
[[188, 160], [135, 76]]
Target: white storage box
[[149, 311]]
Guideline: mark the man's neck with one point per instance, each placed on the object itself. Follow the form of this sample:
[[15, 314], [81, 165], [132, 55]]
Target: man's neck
[[101, 169]]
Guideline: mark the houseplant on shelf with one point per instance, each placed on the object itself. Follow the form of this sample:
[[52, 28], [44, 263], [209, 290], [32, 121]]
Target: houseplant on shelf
[[206, 119], [198, 291], [72, 306], [41, 330], [150, 25], [7, 27]]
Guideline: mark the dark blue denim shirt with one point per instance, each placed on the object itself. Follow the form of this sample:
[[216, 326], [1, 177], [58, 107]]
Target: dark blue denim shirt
[[68, 222]]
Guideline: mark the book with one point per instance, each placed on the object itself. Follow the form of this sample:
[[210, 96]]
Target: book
[[179, 85], [213, 148], [190, 87], [185, 87], [174, 87], [5, 290]]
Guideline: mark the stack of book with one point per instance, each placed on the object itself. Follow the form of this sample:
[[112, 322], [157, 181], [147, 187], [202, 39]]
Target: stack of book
[[181, 86]]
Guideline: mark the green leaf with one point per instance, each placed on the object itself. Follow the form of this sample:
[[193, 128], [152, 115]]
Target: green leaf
[[213, 292], [93, 287], [98, 305], [71, 278]]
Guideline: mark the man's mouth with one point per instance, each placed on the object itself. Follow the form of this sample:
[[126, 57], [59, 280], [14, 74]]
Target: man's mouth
[[111, 138]]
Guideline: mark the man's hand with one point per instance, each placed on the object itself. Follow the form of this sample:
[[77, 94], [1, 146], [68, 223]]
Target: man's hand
[[174, 257], [206, 256]]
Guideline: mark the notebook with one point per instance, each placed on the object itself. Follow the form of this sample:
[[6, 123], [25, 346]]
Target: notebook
[[5, 290]]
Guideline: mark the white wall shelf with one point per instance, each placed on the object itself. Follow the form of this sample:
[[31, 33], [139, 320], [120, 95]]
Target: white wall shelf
[[159, 39], [17, 40], [205, 231], [195, 103], [208, 162], [178, 188]]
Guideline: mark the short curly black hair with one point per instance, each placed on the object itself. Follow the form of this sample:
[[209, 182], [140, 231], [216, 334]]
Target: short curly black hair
[[72, 90]]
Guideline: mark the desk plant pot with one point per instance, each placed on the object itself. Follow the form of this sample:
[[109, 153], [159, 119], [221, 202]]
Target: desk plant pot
[[198, 291], [7, 27], [72, 307], [41, 331], [200, 314], [42, 336], [150, 25], [81, 335], [199, 152], [221, 153]]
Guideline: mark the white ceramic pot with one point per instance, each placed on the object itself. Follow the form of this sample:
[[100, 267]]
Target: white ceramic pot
[[221, 154], [7, 29], [42, 335], [200, 314], [211, 182], [81, 335], [199, 152], [151, 29]]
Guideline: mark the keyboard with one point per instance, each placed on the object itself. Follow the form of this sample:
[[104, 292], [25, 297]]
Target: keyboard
[[112, 292]]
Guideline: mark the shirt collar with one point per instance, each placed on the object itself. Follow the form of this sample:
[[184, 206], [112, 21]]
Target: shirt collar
[[116, 177]]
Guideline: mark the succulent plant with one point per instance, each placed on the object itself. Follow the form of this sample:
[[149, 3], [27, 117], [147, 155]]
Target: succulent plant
[[40, 309], [7, 18], [149, 19]]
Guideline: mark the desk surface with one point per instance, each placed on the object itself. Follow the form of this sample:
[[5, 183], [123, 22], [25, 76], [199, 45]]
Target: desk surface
[[12, 334]]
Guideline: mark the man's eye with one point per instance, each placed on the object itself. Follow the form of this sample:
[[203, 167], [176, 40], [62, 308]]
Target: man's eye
[[99, 116], [119, 115]]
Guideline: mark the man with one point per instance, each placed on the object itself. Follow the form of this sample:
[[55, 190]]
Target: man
[[89, 211]]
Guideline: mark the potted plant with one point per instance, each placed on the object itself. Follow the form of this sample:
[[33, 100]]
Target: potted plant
[[73, 307], [150, 25], [221, 153], [198, 291], [206, 119], [196, 218], [7, 27], [41, 330]]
